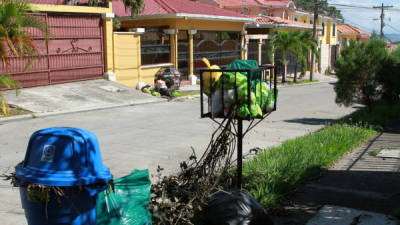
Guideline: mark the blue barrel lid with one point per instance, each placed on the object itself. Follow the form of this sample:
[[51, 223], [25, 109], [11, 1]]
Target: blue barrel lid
[[63, 156]]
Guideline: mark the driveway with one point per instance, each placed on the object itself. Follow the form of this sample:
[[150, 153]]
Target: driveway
[[77, 96], [145, 136]]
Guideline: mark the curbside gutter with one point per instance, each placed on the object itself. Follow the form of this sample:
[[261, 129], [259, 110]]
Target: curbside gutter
[[78, 110]]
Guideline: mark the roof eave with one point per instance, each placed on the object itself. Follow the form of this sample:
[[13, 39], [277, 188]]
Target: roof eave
[[191, 16], [278, 26]]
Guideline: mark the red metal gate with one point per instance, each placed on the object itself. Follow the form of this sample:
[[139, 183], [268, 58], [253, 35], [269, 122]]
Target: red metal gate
[[74, 52]]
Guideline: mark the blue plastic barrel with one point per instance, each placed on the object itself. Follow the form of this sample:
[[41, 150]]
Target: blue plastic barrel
[[69, 158]]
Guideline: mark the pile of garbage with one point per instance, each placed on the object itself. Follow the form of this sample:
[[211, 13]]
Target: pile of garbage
[[166, 83], [229, 92]]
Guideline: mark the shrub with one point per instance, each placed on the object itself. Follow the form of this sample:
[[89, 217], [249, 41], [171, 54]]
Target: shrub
[[358, 70], [389, 77]]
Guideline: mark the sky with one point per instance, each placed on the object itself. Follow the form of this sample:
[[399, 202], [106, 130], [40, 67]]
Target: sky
[[363, 18]]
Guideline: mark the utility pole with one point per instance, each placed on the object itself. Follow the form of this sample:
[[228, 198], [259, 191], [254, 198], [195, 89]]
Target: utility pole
[[382, 16], [314, 36]]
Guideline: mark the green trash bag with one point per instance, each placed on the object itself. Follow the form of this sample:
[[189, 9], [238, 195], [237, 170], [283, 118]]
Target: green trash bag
[[262, 94], [255, 110], [271, 99], [243, 111], [127, 204], [227, 80], [239, 64], [242, 95]]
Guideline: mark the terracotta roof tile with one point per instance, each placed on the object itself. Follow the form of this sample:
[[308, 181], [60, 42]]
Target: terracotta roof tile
[[347, 29], [277, 20], [159, 7], [238, 3]]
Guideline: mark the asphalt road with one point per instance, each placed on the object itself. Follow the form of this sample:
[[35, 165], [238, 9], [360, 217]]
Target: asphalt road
[[145, 136]]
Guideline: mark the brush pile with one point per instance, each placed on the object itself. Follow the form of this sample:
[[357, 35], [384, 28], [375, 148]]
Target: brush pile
[[176, 199]]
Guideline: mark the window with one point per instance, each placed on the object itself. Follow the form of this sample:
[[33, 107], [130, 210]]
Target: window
[[311, 22], [155, 46], [295, 19], [262, 12], [323, 29], [333, 30], [245, 11]]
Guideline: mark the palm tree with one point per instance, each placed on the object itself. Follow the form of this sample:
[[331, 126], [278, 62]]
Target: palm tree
[[302, 45], [16, 40], [284, 42]]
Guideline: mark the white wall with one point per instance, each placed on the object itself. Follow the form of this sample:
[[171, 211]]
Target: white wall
[[325, 57]]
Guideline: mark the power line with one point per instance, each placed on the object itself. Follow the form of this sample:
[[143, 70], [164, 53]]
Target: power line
[[365, 28], [382, 17], [361, 7], [351, 6], [357, 25], [395, 29]]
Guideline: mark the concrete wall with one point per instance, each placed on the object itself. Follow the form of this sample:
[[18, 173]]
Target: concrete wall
[[325, 57]]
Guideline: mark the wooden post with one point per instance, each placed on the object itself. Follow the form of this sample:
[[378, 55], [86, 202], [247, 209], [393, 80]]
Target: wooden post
[[259, 51], [191, 51]]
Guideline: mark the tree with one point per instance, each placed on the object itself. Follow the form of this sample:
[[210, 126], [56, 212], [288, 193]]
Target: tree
[[396, 55], [358, 69], [324, 7], [284, 42], [16, 40], [302, 45]]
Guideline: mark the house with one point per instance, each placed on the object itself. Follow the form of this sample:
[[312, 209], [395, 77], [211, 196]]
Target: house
[[347, 32], [278, 14], [327, 37], [177, 33], [258, 33], [78, 44]]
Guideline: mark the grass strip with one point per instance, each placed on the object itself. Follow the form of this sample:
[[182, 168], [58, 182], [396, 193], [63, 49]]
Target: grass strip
[[187, 93], [301, 82], [279, 170]]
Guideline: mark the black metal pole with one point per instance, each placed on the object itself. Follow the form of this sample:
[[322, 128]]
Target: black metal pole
[[239, 153]]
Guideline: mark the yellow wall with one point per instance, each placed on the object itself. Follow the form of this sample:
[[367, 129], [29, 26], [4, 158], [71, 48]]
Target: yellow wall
[[147, 75], [71, 8], [127, 59], [304, 18], [334, 38], [328, 31], [327, 38], [108, 45]]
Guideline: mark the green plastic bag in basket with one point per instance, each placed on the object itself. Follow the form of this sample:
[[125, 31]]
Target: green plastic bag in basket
[[127, 204]]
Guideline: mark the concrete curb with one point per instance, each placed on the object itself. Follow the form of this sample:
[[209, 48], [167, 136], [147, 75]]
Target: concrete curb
[[79, 110], [305, 84]]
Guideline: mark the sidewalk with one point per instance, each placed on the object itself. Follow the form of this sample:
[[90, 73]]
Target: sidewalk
[[76, 97], [360, 181]]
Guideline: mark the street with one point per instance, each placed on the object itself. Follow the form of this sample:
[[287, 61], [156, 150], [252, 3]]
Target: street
[[144, 136]]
